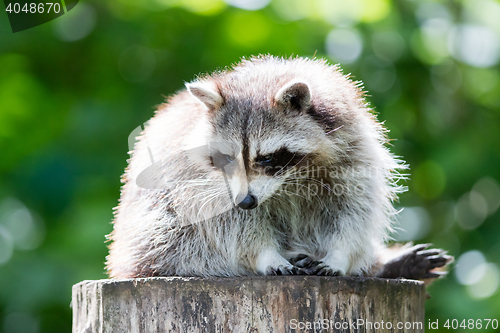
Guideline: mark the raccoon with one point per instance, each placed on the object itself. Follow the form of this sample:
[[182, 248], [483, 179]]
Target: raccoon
[[272, 167]]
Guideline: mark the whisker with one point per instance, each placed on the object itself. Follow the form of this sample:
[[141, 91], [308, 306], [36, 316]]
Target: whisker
[[333, 130]]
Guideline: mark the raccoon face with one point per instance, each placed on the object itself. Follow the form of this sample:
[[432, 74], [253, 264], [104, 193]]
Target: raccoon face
[[260, 144]]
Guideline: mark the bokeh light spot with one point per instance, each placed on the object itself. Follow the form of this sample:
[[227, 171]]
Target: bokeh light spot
[[446, 77], [27, 231], [76, 24], [249, 4], [381, 80], [413, 223], [431, 10], [484, 12], [470, 268], [475, 45], [478, 204], [6, 245], [488, 284], [340, 13], [490, 191], [378, 75], [204, 7], [292, 10], [472, 209], [375, 10], [434, 34], [344, 45], [248, 29], [429, 42], [429, 180], [388, 45]]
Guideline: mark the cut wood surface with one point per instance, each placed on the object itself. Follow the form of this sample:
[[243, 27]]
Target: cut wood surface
[[249, 304]]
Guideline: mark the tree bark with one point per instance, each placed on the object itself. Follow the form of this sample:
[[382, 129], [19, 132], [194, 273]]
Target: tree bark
[[249, 304]]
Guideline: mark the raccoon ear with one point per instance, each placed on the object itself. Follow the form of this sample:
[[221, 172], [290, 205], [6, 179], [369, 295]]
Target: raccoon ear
[[295, 95], [205, 92]]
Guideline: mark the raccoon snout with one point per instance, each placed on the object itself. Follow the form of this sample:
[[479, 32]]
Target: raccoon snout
[[248, 202]]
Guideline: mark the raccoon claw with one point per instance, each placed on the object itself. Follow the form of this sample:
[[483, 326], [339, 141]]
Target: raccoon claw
[[307, 266], [327, 271], [417, 263], [320, 269], [284, 270]]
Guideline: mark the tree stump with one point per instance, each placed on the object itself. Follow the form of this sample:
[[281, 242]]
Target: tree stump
[[249, 304]]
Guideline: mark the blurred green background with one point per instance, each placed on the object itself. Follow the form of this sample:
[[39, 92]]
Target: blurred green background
[[73, 89]]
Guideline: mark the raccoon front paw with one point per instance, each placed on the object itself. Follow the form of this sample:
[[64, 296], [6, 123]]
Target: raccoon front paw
[[308, 266], [322, 269], [301, 261], [417, 263], [284, 270], [305, 263]]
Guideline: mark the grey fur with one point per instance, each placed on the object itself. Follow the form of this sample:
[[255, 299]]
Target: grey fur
[[191, 226]]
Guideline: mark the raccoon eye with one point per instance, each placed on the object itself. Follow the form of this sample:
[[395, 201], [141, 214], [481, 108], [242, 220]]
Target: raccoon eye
[[228, 158], [266, 160], [220, 160]]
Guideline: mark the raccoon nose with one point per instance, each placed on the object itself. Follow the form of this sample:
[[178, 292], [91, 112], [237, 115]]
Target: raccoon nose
[[248, 202]]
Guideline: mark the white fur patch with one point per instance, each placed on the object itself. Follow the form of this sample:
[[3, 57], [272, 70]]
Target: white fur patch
[[269, 257], [338, 261]]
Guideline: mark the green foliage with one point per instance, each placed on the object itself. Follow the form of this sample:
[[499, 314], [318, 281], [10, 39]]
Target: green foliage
[[72, 90]]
